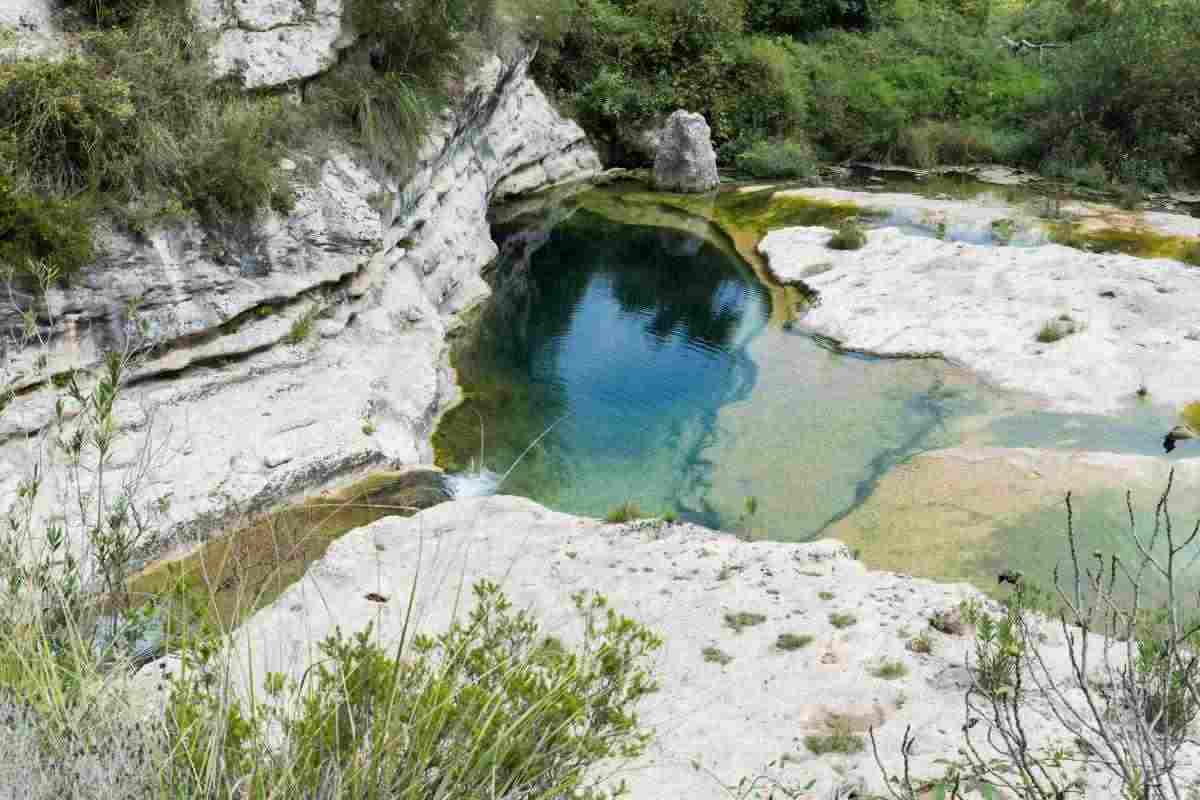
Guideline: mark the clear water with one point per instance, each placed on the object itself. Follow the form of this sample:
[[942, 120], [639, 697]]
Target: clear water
[[625, 363]]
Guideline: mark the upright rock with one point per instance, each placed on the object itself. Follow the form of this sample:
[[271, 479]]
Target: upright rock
[[686, 161]]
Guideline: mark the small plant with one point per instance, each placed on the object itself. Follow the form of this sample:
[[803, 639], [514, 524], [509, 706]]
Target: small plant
[[743, 619], [840, 739], [842, 620], [783, 159], [670, 518], [1057, 329], [889, 670], [826, 595], [793, 641], [626, 512], [302, 327], [368, 427], [715, 655], [849, 236], [921, 643]]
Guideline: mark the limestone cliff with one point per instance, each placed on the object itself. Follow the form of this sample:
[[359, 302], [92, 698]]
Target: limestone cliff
[[250, 416]]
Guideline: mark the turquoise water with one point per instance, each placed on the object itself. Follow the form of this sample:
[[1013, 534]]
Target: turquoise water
[[627, 363]]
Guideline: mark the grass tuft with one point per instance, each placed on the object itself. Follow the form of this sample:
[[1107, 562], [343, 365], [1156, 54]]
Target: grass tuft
[[626, 512], [743, 619], [842, 620], [793, 641], [715, 655], [889, 670]]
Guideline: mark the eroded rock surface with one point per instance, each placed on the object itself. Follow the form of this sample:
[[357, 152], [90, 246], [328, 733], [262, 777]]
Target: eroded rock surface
[[686, 161], [715, 724], [273, 42], [984, 306], [227, 383]]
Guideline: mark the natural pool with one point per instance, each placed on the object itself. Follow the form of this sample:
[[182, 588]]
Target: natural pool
[[631, 357]]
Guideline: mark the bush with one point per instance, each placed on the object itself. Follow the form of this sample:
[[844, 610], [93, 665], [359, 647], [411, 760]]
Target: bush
[[786, 159], [848, 236], [490, 708], [55, 233]]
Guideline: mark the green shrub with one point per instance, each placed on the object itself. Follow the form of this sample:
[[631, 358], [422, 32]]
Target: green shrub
[[805, 17], [842, 619], [793, 641], [67, 122], [848, 236], [889, 670], [56, 233], [784, 159], [743, 619], [625, 512], [490, 708]]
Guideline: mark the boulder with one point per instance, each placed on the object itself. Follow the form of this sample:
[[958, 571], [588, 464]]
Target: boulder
[[685, 161]]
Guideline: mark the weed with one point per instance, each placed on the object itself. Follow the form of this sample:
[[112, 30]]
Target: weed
[[626, 512], [1057, 329], [778, 159], [670, 518], [793, 641], [849, 236], [743, 619], [715, 655], [842, 619], [889, 670], [302, 327], [840, 740], [368, 427], [826, 595], [921, 643]]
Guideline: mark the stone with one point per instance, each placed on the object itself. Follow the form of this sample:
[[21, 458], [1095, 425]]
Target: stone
[[276, 458], [982, 306], [736, 719], [216, 310], [28, 30], [686, 161]]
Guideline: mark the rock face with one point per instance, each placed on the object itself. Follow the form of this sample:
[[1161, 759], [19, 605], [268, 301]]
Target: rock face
[[983, 307], [386, 266], [27, 30], [273, 42], [715, 723], [685, 161]]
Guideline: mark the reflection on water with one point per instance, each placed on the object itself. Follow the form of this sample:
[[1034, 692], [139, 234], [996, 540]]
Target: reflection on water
[[612, 347], [621, 362]]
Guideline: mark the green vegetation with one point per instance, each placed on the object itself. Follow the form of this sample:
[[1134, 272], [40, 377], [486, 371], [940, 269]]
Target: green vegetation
[[842, 619], [922, 83], [826, 595], [626, 512], [778, 159], [302, 327], [1191, 415], [849, 236], [715, 655], [840, 740], [921, 643], [130, 125], [743, 619], [1057, 329], [889, 670], [793, 641]]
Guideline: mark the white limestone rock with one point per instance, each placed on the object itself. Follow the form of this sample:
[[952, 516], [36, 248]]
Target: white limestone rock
[[714, 724], [686, 161], [982, 307]]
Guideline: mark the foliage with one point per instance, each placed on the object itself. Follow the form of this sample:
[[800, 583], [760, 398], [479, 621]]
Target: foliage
[[778, 159], [739, 621], [625, 512], [840, 739], [793, 641], [55, 234], [802, 18], [715, 655], [489, 708], [849, 236], [842, 619]]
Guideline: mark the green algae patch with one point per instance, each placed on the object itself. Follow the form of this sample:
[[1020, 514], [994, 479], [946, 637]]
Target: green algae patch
[[1126, 241], [248, 568]]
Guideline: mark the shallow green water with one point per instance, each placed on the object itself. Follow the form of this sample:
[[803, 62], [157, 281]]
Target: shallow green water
[[621, 362]]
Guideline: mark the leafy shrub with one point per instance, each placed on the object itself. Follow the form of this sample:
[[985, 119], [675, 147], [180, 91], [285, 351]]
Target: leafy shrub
[[848, 236], [66, 122], [56, 233], [786, 159], [806, 17], [489, 708]]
